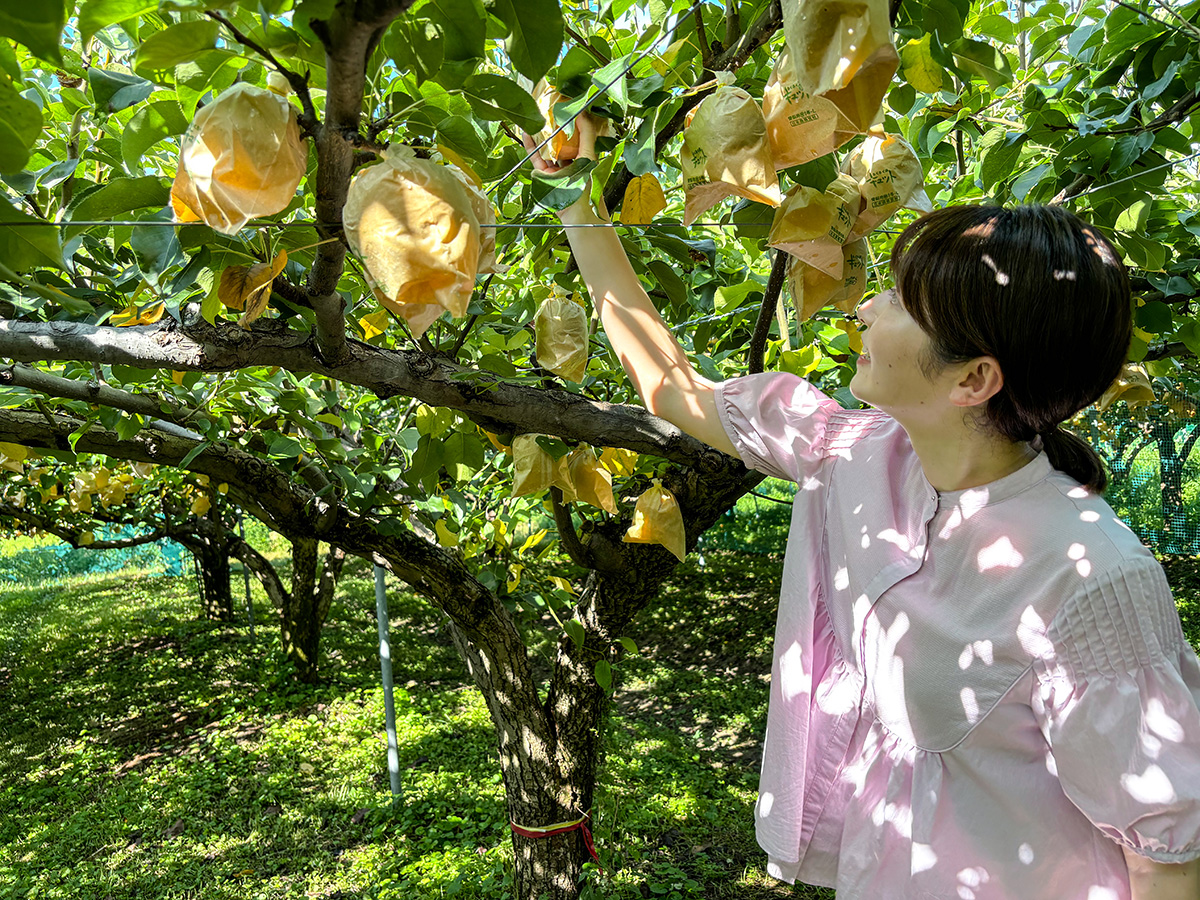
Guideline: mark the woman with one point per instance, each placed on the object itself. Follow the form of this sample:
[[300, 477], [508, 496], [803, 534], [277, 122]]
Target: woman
[[981, 687]]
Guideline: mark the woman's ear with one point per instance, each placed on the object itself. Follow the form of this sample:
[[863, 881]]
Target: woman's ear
[[976, 382]]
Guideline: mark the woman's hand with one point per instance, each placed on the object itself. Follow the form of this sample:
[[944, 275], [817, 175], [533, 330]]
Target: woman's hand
[[582, 145]]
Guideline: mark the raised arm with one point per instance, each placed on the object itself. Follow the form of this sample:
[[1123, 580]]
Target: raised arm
[[1150, 880], [655, 362]]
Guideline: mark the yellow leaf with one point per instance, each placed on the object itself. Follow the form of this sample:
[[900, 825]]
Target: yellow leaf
[[223, 488], [852, 332], [86, 538], [445, 536], [644, 199], [130, 315], [177, 377], [248, 288], [453, 157], [496, 442], [201, 505], [375, 323], [514, 576], [532, 541], [562, 584], [619, 461]]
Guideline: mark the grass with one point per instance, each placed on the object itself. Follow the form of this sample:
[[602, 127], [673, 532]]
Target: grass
[[145, 753]]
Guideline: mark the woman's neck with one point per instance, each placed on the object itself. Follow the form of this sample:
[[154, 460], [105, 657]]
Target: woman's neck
[[958, 458]]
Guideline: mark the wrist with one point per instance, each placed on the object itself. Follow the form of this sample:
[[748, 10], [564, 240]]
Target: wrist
[[580, 212]]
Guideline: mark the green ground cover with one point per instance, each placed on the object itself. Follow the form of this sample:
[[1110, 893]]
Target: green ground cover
[[147, 754]]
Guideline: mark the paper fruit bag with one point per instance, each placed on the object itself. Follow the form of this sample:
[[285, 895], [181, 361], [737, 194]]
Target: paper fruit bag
[[802, 127], [561, 329], [535, 470], [241, 157], [725, 151], [592, 483], [657, 519], [485, 213], [1132, 385], [413, 224], [831, 40], [813, 226], [812, 289], [889, 176]]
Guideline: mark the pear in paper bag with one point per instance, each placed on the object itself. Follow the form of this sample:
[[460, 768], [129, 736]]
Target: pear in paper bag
[[831, 40], [813, 226], [413, 224], [725, 151], [1132, 385], [242, 157], [485, 214], [889, 176], [812, 289], [561, 329], [802, 127], [591, 481], [535, 470], [657, 519]]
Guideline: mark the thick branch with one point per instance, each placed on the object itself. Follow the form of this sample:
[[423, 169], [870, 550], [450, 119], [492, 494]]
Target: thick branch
[[484, 397], [71, 534], [766, 313]]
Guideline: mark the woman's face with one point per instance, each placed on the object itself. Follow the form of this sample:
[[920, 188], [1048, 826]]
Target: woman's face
[[890, 376]]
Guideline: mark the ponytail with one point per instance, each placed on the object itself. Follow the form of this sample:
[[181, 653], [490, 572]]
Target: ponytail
[[1069, 453]]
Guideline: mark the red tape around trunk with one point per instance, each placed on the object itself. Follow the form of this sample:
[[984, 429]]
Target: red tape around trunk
[[561, 828]]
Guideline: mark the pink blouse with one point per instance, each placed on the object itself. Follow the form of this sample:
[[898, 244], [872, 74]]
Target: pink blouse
[[980, 694]]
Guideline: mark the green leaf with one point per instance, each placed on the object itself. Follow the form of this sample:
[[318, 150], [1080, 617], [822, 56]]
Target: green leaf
[[463, 23], [114, 91], [629, 645], [149, 125], [498, 99], [604, 674], [155, 247], [117, 197], [462, 136], [535, 33], [731, 296], [1134, 214], [561, 189], [639, 149], [668, 280], [575, 632], [20, 127], [27, 246], [416, 45], [95, 15], [1148, 255], [178, 44], [1154, 317], [37, 24], [193, 453], [611, 78], [918, 67], [1000, 158], [982, 60]]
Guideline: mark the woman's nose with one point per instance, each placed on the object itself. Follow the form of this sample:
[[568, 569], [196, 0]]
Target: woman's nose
[[865, 311]]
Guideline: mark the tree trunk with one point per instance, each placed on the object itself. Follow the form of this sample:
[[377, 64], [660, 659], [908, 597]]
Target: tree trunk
[[306, 606], [216, 595]]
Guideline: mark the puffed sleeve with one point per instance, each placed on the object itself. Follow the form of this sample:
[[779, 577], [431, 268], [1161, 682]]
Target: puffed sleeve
[[1118, 700], [782, 425]]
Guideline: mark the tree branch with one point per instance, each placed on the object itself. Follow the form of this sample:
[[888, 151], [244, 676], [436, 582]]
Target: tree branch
[[766, 313], [72, 533], [299, 83], [566, 532], [482, 396]]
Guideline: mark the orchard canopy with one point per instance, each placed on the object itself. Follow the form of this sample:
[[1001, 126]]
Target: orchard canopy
[[290, 256]]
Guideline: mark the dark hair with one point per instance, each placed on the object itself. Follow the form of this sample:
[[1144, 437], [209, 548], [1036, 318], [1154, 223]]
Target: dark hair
[[1040, 290]]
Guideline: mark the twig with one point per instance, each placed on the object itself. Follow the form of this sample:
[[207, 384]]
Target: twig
[[580, 555], [766, 313], [1141, 12], [583, 42], [298, 82], [702, 34], [1186, 24], [470, 323]]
